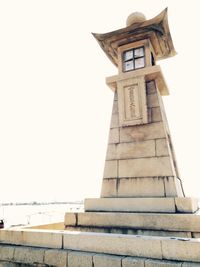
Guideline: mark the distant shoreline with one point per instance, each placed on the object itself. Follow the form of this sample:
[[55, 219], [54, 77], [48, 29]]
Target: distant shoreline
[[40, 203]]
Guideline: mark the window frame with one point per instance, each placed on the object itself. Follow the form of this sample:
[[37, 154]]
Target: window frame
[[133, 59]]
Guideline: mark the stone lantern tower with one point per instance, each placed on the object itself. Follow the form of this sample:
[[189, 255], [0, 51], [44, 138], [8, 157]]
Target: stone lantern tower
[[140, 160], [142, 191]]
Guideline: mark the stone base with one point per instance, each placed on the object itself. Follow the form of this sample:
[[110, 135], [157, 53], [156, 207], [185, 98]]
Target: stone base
[[134, 221], [161, 205]]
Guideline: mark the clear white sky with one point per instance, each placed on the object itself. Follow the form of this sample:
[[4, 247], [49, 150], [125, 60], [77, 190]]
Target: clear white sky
[[55, 106]]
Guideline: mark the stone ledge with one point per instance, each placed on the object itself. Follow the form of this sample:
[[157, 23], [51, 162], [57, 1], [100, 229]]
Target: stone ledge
[[163, 205], [142, 221]]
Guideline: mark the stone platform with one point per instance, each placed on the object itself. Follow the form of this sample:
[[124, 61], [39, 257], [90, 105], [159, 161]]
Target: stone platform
[[161, 205], [59, 248]]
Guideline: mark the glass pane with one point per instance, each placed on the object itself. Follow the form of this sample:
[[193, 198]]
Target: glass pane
[[128, 55], [139, 52], [139, 63], [128, 65]]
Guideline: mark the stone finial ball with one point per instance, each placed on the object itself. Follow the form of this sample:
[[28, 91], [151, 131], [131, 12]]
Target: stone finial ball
[[135, 17]]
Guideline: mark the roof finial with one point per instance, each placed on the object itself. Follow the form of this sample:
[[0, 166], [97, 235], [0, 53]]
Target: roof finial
[[135, 17]]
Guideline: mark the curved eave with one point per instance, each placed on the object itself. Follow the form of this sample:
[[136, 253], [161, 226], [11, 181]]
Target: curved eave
[[155, 29]]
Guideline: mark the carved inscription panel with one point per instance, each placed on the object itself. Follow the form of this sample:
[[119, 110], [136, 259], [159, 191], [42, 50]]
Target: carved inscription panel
[[131, 109], [132, 101]]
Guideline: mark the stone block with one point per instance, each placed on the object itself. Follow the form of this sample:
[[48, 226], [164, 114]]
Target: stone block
[[162, 148], [70, 219], [132, 262], [114, 244], [173, 187], [130, 204], [152, 101], [113, 136], [55, 257], [150, 167], [6, 252], [110, 169], [163, 263], [30, 237], [190, 264], [102, 260], [141, 187], [10, 264], [151, 87], [11, 237], [80, 259], [29, 255], [186, 204], [181, 249], [133, 187], [141, 133], [43, 238], [142, 221], [109, 188], [131, 150], [156, 114], [114, 121]]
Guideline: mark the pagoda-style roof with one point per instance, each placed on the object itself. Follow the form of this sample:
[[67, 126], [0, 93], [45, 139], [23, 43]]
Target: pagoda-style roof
[[155, 29]]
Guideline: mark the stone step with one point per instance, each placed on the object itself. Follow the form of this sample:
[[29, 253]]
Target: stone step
[[161, 205], [142, 221], [160, 248]]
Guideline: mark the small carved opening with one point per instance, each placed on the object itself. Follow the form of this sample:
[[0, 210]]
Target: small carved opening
[[152, 60], [134, 59]]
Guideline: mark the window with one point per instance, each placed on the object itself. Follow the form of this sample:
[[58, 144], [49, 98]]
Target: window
[[134, 59]]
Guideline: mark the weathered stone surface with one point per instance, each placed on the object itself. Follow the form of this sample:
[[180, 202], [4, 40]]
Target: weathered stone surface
[[114, 244], [181, 249], [151, 87], [130, 204], [102, 260], [140, 187], [115, 107], [113, 136], [190, 264], [152, 100], [148, 221], [162, 148], [109, 188], [31, 237], [114, 121], [173, 187], [134, 187], [142, 132], [110, 169], [164, 233], [150, 167], [55, 257], [80, 259], [131, 150], [156, 114], [132, 262], [29, 255], [163, 263], [6, 252], [186, 204], [70, 218]]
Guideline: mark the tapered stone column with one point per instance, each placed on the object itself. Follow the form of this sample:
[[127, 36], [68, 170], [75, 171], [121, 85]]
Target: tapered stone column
[[140, 161]]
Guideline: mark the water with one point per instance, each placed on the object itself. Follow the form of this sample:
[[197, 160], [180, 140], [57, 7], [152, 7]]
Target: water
[[14, 215]]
